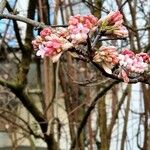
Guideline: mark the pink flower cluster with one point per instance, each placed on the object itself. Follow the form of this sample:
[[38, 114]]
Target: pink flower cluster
[[80, 26], [112, 25], [107, 57], [53, 42], [50, 44], [128, 61], [132, 63]]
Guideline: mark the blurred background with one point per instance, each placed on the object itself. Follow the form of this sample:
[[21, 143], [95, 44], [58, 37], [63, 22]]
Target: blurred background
[[43, 104]]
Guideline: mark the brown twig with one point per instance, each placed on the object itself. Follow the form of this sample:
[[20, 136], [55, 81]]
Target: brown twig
[[20, 126], [23, 19], [2, 5]]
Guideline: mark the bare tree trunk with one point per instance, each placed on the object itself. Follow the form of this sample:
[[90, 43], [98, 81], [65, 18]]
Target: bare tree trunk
[[115, 115], [146, 95], [124, 133], [49, 83], [88, 99], [103, 124]]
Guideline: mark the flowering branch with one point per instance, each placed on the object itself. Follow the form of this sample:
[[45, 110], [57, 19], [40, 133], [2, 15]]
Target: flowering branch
[[143, 78], [81, 32]]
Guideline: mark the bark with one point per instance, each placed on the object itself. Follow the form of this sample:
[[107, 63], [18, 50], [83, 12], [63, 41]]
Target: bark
[[72, 97], [115, 115], [103, 124], [89, 110], [49, 83], [2, 5], [124, 132], [146, 96]]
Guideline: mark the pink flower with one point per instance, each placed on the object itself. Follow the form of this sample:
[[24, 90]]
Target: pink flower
[[90, 21], [37, 42], [145, 57], [74, 20], [124, 75], [138, 66], [53, 47], [107, 57], [79, 34], [41, 51], [114, 17], [45, 32], [78, 38], [108, 54], [121, 31], [66, 45], [128, 52], [131, 63], [112, 25], [52, 43], [80, 26], [62, 32]]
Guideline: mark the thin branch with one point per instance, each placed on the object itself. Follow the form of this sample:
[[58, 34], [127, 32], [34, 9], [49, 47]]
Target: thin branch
[[123, 5], [137, 113], [106, 39], [144, 28], [96, 40], [2, 5], [10, 121], [95, 7], [115, 115], [75, 109], [26, 100], [35, 24], [23, 19], [26, 123], [92, 83], [138, 133], [16, 28], [126, 117]]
